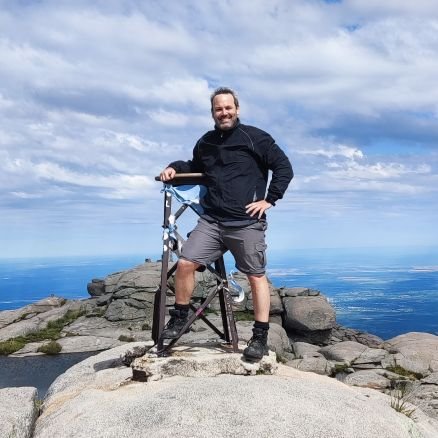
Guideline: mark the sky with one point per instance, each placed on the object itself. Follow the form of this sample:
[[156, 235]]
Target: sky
[[97, 97]]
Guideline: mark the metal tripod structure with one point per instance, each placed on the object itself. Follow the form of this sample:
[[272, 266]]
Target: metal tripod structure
[[172, 242]]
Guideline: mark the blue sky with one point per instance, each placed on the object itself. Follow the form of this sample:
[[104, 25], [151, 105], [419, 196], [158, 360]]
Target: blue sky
[[97, 97]]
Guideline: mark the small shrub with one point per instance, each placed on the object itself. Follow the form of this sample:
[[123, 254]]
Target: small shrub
[[400, 396], [11, 346], [50, 348], [39, 404], [339, 368], [146, 326]]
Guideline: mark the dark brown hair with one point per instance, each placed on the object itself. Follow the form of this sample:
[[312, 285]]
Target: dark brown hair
[[224, 90]]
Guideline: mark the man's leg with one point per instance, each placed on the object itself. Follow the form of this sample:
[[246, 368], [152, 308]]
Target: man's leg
[[248, 247], [204, 246], [260, 297], [258, 345], [185, 281], [184, 285]]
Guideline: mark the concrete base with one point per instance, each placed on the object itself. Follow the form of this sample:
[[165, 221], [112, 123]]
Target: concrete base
[[200, 360]]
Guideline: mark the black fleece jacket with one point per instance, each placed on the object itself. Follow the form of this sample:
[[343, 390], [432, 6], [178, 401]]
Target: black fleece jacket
[[236, 164]]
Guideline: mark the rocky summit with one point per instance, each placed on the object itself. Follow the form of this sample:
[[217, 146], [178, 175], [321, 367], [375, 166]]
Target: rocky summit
[[319, 380]]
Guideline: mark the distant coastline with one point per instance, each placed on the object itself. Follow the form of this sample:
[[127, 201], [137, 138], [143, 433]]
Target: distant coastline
[[384, 292]]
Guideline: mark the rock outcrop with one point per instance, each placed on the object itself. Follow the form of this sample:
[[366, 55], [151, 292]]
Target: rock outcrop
[[415, 352], [99, 398], [303, 335], [121, 309], [18, 412], [28, 319]]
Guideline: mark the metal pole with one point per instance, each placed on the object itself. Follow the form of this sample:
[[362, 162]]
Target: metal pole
[[160, 297]]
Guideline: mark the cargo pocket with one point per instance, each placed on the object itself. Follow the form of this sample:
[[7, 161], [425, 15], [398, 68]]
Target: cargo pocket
[[261, 254]]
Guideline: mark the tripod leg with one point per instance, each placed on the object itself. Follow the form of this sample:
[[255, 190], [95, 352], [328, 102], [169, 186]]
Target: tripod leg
[[225, 301], [160, 296]]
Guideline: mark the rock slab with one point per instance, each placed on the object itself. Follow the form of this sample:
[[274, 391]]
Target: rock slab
[[109, 405], [18, 412], [308, 313], [200, 361], [415, 352]]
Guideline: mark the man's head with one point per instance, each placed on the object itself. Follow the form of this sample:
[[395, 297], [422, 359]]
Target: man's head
[[224, 108]]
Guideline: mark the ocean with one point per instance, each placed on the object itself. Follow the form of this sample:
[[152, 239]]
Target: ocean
[[383, 292], [386, 292]]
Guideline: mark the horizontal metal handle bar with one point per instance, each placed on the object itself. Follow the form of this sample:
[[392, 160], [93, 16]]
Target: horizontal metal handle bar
[[179, 176]]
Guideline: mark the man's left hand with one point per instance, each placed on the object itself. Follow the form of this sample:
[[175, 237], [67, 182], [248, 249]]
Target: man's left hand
[[257, 208]]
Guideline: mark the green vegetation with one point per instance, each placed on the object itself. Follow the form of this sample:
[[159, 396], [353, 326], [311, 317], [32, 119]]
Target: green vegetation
[[405, 373], [67, 319], [244, 316], [11, 346], [339, 368], [400, 400], [25, 315], [50, 348], [39, 405], [51, 332]]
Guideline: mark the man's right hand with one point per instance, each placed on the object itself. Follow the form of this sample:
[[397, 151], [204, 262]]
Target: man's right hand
[[167, 174]]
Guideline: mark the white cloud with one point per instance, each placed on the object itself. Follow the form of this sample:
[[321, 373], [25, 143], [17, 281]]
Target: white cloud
[[118, 185], [337, 151], [96, 98], [169, 118], [354, 171], [23, 195]]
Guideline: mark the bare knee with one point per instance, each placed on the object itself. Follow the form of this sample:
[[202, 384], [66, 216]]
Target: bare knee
[[256, 279], [259, 285], [186, 267]]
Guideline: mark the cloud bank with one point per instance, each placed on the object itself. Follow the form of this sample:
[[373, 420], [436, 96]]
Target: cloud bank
[[96, 98]]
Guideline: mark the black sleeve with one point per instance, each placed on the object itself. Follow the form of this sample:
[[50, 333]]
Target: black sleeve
[[277, 161], [191, 166]]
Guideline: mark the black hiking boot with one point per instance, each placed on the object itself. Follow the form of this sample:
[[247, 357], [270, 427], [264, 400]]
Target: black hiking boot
[[177, 321], [257, 345]]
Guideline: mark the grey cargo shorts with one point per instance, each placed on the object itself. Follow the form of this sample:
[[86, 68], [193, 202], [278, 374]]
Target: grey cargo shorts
[[208, 241]]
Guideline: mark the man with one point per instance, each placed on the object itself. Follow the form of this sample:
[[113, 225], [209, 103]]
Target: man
[[235, 159]]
